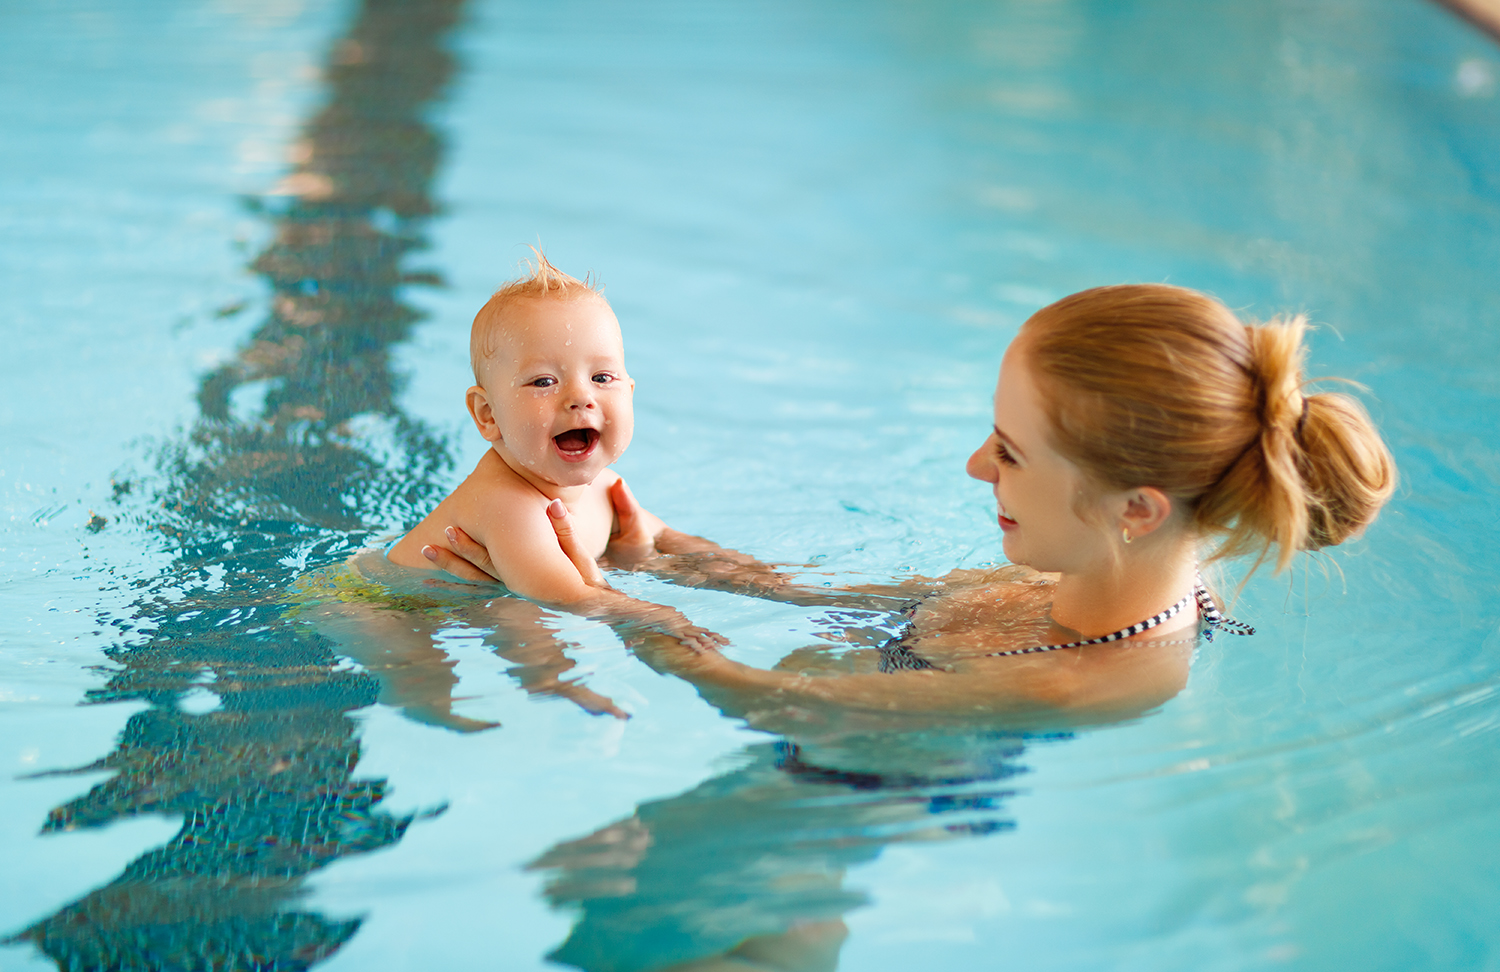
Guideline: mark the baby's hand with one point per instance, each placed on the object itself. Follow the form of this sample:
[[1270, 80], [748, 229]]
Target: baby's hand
[[590, 701]]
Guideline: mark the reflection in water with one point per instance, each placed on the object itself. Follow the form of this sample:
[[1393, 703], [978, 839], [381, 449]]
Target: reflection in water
[[747, 869], [299, 453]]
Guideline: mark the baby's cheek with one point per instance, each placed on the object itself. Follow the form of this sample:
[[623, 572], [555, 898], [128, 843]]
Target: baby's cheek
[[623, 429]]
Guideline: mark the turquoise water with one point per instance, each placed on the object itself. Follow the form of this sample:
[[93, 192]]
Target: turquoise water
[[819, 226]]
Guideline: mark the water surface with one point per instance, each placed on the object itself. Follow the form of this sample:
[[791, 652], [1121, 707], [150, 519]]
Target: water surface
[[242, 246]]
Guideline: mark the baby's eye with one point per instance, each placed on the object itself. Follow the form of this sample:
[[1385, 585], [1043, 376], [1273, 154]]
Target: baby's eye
[[543, 382], [604, 378]]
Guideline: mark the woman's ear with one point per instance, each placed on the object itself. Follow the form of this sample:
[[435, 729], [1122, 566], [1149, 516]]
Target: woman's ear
[[1146, 509], [482, 414]]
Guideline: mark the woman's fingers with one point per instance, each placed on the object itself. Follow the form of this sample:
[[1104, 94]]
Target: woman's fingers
[[562, 525], [702, 640], [633, 542], [632, 528], [698, 640], [463, 557], [456, 565]]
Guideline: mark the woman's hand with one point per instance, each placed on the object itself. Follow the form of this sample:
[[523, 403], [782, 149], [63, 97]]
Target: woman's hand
[[470, 560], [633, 541], [466, 559], [697, 640], [562, 525]]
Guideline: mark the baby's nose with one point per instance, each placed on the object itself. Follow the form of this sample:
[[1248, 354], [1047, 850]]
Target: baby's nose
[[582, 397]]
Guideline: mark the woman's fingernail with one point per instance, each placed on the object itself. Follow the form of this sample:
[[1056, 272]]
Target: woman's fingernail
[[452, 535], [556, 509], [429, 553]]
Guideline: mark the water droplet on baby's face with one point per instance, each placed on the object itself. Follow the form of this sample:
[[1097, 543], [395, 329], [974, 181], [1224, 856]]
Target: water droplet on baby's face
[[568, 343]]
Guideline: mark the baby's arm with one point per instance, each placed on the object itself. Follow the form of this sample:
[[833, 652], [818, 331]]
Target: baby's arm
[[525, 554], [522, 551], [640, 541]]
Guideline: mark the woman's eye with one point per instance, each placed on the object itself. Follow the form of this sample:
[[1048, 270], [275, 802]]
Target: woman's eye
[[1003, 454], [542, 382]]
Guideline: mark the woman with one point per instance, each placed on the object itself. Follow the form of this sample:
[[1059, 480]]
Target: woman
[[1139, 429]]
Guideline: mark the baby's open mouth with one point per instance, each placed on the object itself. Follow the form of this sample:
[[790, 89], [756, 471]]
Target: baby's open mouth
[[576, 444]]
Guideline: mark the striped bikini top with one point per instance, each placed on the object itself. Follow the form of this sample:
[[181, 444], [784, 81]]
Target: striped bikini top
[[896, 657]]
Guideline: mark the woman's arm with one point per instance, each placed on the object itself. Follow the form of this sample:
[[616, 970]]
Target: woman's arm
[[1082, 685], [641, 541]]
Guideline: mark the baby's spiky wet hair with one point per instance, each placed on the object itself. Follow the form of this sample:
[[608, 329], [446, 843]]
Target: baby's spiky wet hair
[[541, 281]]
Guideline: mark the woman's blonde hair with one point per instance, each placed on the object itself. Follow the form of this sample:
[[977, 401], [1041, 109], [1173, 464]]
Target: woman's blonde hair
[[1152, 385]]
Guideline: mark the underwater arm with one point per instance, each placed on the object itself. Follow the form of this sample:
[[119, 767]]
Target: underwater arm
[[1025, 692], [519, 635]]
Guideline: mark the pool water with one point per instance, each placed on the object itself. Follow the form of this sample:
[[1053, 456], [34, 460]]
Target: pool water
[[242, 244]]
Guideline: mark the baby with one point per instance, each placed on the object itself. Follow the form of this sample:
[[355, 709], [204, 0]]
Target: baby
[[553, 399]]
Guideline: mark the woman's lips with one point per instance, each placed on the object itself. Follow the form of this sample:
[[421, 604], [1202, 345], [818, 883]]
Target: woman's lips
[[1006, 523], [576, 445]]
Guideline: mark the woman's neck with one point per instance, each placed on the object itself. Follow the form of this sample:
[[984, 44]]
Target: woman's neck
[[1117, 595]]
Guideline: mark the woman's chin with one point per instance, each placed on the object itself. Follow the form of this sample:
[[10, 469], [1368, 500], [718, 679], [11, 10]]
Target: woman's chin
[[1016, 554]]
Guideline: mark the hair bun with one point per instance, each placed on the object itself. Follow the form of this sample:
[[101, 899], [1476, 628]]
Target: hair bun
[[1153, 385], [1347, 471], [1325, 472]]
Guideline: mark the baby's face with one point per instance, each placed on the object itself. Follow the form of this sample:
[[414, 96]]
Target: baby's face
[[554, 398]]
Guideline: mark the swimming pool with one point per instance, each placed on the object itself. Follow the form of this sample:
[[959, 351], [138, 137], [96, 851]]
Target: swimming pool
[[819, 225]]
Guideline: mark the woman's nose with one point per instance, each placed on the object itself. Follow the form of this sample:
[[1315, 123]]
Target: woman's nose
[[979, 465]]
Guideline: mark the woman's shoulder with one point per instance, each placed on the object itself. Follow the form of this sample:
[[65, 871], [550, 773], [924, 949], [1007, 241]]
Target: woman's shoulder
[[987, 578]]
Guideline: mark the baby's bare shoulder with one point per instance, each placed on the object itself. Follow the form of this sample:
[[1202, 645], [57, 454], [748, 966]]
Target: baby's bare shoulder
[[488, 501], [493, 494]]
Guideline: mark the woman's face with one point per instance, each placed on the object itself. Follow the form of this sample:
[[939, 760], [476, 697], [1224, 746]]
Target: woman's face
[[1038, 490]]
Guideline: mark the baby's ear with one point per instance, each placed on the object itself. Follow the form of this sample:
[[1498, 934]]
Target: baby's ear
[[482, 413]]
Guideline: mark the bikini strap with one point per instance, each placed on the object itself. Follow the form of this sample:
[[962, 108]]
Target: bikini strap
[[1213, 619]]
